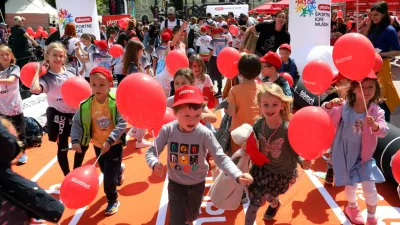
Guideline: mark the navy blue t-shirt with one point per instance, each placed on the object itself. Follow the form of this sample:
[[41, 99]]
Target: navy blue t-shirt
[[386, 41]]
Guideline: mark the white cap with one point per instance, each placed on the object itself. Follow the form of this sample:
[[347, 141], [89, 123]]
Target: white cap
[[171, 10]]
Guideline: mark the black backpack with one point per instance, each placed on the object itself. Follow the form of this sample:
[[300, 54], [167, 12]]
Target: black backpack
[[33, 132], [178, 23]]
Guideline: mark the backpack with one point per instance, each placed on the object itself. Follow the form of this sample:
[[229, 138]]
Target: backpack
[[71, 57], [178, 23], [33, 132]]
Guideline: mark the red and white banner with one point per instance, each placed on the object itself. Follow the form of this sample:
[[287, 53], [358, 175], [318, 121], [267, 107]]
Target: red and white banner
[[112, 20]]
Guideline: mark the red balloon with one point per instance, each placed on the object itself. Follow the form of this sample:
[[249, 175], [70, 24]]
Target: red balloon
[[176, 60], [79, 187], [227, 62], [208, 95], [74, 90], [39, 32], [45, 34], [396, 166], [29, 30], [288, 77], [234, 30], [311, 132], [378, 63], [146, 107], [52, 30], [317, 76], [168, 117], [116, 50], [28, 72], [123, 23], [354, 56]]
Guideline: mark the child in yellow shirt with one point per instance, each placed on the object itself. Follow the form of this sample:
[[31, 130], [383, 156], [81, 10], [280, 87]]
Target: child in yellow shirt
[[99, 121]]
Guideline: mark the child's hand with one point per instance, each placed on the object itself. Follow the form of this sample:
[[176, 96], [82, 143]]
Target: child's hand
[[77, 148], [105, 148], [334, 102], [245, 178], [372, 123], [243, 146], [158, 169], [306, 164]]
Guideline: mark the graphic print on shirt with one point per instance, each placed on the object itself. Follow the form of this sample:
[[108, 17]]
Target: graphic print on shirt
[[269, 43], [357, 126], [274, 147], [184, 157], [103, 122]]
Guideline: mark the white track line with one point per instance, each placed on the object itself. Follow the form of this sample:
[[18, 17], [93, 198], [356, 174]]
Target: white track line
[[44, 169], [163, 207]]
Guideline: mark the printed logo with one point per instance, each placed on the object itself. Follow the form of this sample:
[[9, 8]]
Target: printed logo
[[187, 169], [183, 160], [186, 91], [194, 160], [65, 17], [306, 7], [178, 167], [173, 158], [83, 19], [324, 7], [194, 149], [83, 184], [184, 149], [174, 147]]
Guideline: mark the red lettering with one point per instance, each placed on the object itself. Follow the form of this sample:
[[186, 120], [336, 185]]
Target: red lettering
[[219, 8], [324, 7], [83, 19]]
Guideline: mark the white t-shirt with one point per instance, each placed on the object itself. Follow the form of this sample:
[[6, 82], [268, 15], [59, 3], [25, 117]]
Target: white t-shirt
[[200, 84], [71, 45], [91, 49], [10, 98], [228, 37], [203, 42], [217, 45], [161, 72], [51, 85], [170, 24], [220, 24]]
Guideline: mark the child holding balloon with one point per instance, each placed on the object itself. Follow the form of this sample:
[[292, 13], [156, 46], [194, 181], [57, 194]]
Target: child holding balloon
[[99, 121], [59, 114], [360, 122], [10, 97], [274, 178], [188, 143]]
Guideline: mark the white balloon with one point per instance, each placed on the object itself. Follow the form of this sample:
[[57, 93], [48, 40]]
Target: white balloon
[[323, 53]]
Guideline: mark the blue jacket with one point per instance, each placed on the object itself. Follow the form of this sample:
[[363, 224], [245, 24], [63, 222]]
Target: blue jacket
[[292, 70]]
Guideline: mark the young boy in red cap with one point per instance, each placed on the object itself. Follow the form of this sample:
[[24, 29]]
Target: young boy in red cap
[[188, 142], [288, 64], [271, 63], [99, 121]]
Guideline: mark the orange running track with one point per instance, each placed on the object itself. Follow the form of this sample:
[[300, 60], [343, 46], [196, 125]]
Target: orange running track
[[144, 198]]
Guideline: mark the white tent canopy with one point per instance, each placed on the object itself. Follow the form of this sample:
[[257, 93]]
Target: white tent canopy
[[30, 6]]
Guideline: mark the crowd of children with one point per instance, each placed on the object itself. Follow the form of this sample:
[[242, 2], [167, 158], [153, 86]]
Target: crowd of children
[[258, 96]]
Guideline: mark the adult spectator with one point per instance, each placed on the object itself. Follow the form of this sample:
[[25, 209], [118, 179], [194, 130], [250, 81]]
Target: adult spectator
[[20, 45], [210, 21], [384, 37], [3, 33], [55, 36], [271, 34], [69, 41], [103, 32], [172, 21]]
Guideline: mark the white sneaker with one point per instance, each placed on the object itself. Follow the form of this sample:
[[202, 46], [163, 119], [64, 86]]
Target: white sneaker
[[132, 132], [144, 144]]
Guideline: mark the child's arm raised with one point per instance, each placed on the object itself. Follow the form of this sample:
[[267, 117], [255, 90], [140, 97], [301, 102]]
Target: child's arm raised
[[35, 87], [209, 116], [119, 129], [76, 132]]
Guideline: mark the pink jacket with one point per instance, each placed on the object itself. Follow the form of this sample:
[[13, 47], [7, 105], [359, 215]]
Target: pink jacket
[[369, 138]]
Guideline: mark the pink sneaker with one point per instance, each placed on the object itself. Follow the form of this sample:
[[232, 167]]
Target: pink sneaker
[[354, 215]]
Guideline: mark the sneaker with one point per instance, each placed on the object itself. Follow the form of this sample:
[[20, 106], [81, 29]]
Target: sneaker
[[112, 208], [374, 221], [131, 132], [329, 176], [271, 212], [244, 199], [144, 144], [23, 159], [121, 175], [354, 215]]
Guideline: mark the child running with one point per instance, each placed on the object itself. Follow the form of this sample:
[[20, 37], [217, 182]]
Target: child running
[[59, 114], [356, 138], [271, 130], [99, 121], [187, 142]]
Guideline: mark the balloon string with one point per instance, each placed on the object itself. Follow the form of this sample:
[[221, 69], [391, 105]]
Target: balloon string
[[365, 103], [319, 100], [154, 142], [96, 160]]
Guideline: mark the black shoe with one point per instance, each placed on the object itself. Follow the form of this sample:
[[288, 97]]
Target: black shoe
[[329, 176], [271, 212]]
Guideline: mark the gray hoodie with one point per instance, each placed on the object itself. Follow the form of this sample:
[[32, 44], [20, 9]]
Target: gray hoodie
[[187, 154]]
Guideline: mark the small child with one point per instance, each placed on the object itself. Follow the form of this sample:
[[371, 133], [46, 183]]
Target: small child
[[202, 44], [271, 62], [100, 58], [88, 48], [357, 133], [288, 64], [188, 142], [227, 34], [216, 45], [202, 80], [99, 121], [241, 98], [271, 130]]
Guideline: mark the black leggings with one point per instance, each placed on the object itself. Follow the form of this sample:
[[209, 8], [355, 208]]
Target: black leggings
[[18, 121], [59, 128]]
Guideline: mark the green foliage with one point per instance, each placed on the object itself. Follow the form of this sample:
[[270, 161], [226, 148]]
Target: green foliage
[[102, 5]]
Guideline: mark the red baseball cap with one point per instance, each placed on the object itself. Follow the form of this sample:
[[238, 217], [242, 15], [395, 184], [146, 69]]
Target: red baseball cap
[[104, 71], [203, 29], [216, 30], [101, 44], [272, 58], [285, 46], [165, 36], [188, 94]]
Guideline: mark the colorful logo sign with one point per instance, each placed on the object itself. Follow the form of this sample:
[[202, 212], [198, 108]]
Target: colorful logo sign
[[306, 7], [65, 17]]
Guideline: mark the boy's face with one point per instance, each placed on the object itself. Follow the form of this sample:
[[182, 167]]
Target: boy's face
[[188, 118], [267, 70], [284, 53], [100, 86]]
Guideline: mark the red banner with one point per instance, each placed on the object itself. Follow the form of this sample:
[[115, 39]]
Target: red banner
[[112, 20], [364, 5]]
